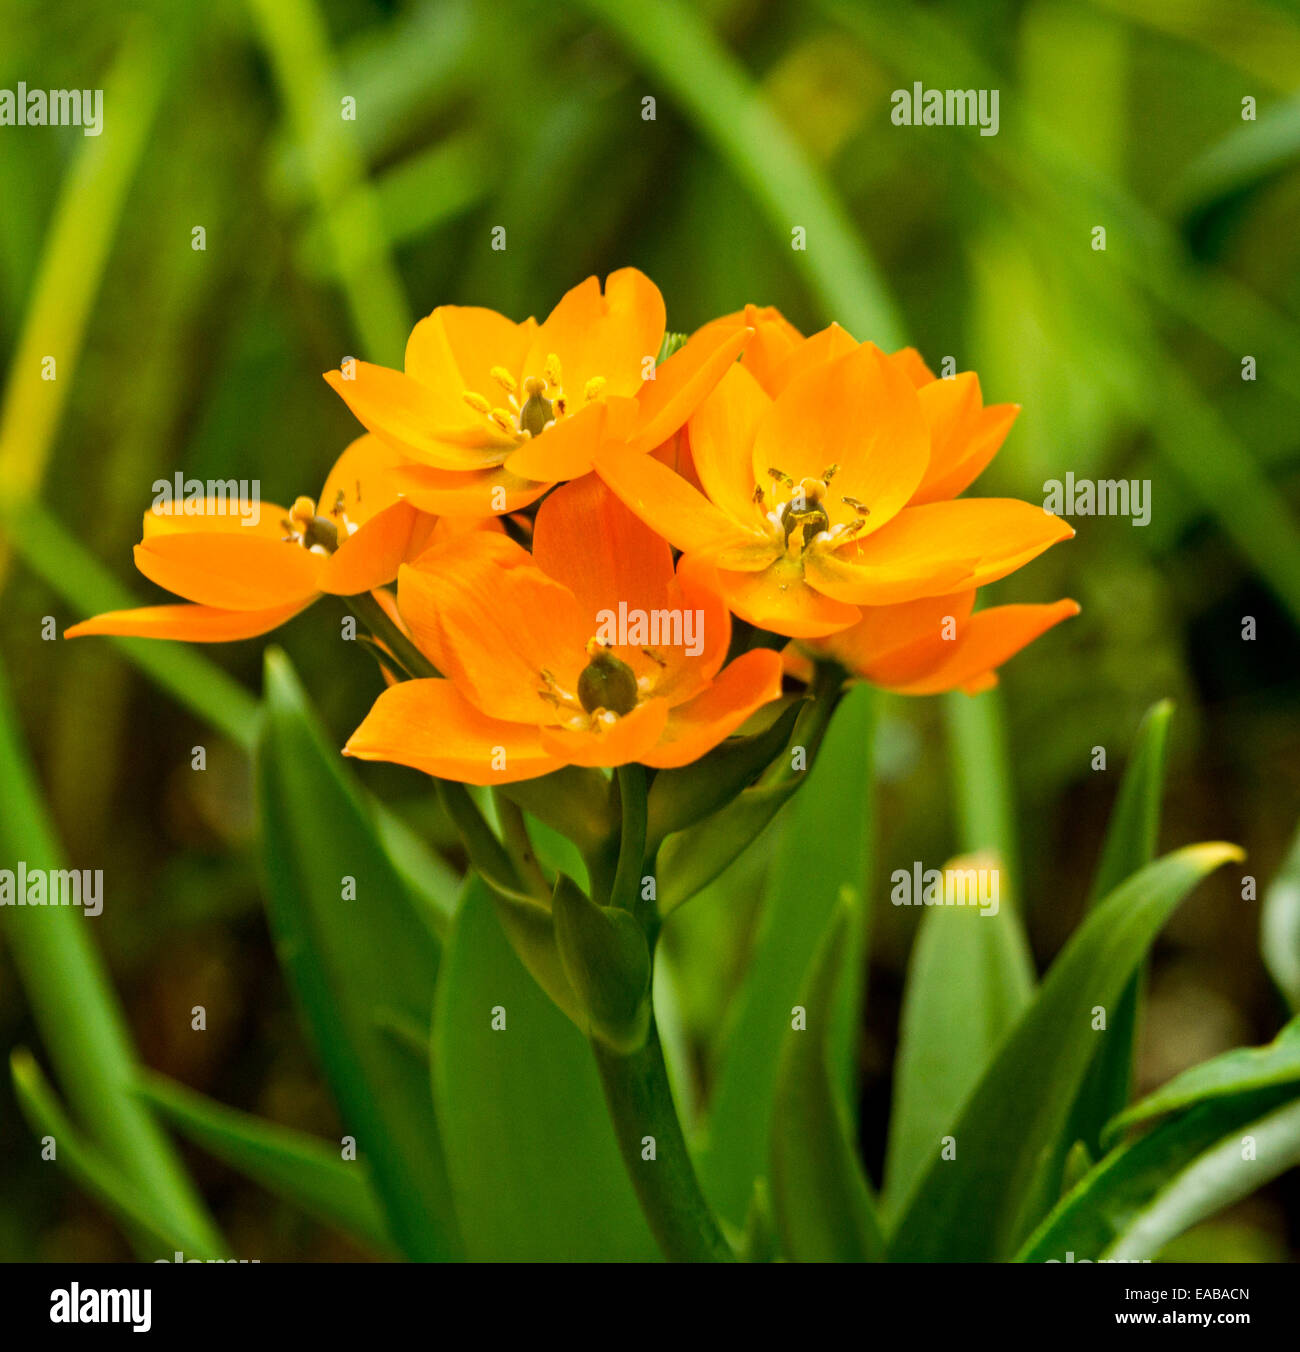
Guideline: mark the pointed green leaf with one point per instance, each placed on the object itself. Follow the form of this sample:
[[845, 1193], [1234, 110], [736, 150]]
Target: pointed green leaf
[[824, 1209], [155, 1232], [1280, 928], [975, 1206], [969, 979], [1103, 1207], [823, 847], [306, 1172], [574, 801], [607, 963], [532, 1157], [1241, 1070], [345, 959], [681, 798], [1131, 839]]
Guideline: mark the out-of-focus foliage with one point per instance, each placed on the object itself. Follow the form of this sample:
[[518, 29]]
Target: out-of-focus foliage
[[324, 237]]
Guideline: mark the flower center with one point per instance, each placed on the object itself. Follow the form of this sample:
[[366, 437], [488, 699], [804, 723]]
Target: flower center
[[607, 689], [314, 532], [529, 410], [798, 516]]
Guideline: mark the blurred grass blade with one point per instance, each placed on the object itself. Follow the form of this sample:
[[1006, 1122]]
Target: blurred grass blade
[[1254, 1154], [156, 1233], [80, 1020], [355, 965], [674, 44], [969, 979], [981, 774], [1280, 927], [824, 846], [1105, 1205], [533, 1162], [824, 1209], [304, 1171], [972, 1208], [1235, 1072], [85, 222], [1131, 839], [297, 42]]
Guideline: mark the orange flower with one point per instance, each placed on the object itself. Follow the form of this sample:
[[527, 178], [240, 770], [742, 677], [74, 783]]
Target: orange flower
[[589, 651], [964, 434], [926, 647], [246, 577], [488, 414], [815, 499]]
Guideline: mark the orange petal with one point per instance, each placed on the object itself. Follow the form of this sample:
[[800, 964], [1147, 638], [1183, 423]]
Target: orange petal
[[912, 364], [371, 556], [430, 726], [193, 624], [493, 622], [455, 349], [668, 504], [964, 435], [216, 516], [892, 644], [774, 339], [587, 540], [467, 493], [680, 383], [565, 449], [610, 335], [626, 740], [830, 342], [697, 726], [990, 638], [361, 482], [780, 600], [860, 413], [937, 548], [231, 572], [722, 434], [414, 419]]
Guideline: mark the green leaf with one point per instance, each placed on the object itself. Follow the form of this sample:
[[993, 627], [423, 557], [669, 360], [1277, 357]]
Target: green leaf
[[81, 1022], [574, 801], [969, 979], [348, 959], [681, 798], [973, 1207], [155, 1232], [690, 860], [1239, 1071], [824, 1209], [607, 963], [823, 847], [306, 1172], [1280, 927], [532, 1158], [1108, 1202], [1221, 1176], [1131, 838]]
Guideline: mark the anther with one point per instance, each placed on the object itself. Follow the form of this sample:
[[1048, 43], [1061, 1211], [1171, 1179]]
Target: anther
[[553, 371], [476, 402], [504, 379], [594, 388]]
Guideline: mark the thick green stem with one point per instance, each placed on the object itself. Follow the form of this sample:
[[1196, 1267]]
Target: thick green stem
[[654, 1150], [626, 890], [518, 845]]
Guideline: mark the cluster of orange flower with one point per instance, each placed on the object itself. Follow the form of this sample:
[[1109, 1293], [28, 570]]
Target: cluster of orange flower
[[809, 486]]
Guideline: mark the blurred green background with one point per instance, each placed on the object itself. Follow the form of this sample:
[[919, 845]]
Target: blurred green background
[[327, 237]]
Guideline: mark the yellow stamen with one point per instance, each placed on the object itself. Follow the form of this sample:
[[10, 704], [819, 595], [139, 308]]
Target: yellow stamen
[[504, 419], [476, 402], [595, 387], [504, 379], [302, 511], [553, 371]]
